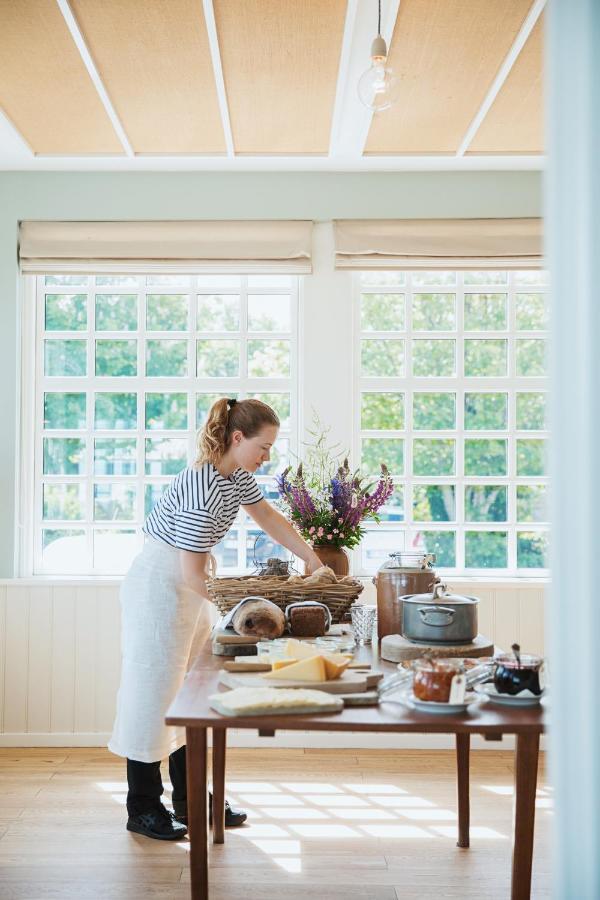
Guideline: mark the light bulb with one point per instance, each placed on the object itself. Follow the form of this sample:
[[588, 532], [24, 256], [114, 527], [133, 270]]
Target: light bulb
[[377, 87]]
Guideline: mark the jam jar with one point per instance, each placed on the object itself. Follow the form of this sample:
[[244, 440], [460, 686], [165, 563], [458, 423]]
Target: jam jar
[[433, 678], [514, 675]]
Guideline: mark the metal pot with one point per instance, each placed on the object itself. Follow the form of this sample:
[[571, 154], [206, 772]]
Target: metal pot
[[405, 572], [439, 617]]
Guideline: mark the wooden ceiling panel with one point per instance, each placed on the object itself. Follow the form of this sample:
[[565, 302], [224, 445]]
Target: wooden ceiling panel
[[446, 54], [45, 89], [280, 65], [514, 123], [154, 60]]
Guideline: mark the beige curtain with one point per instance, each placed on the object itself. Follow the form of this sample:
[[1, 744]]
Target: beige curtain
[[203, 246], [438, 243]]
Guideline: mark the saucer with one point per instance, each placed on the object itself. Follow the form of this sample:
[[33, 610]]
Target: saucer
[[524, 699], [432, 706]]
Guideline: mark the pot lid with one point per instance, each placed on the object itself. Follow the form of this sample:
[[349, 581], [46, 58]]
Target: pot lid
[[409, 559], [440, 595]]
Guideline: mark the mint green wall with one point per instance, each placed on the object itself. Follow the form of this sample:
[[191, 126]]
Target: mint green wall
[[208, 195]]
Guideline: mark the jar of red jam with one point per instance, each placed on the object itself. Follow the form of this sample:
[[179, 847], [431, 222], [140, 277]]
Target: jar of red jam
[[515, 674], [433, 678]]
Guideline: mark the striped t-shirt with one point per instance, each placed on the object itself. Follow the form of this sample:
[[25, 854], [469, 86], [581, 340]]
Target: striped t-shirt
[[199, 506]]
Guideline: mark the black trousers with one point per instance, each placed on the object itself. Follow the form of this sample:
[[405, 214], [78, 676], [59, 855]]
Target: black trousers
[[145, 782]]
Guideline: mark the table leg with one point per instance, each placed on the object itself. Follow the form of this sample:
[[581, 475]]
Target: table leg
[[218, 779], [526, 765], [463, 746], [196, 759]]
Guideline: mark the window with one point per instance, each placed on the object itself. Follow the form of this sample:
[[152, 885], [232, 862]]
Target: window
[[127, 367], [451, 378]]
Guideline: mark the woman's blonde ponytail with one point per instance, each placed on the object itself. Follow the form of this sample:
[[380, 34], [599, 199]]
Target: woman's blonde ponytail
[[226, 416]]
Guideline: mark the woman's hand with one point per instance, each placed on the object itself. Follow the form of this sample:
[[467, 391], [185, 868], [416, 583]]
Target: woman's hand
[[312, 563]]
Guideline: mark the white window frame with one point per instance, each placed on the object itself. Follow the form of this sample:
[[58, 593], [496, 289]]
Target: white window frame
[[408, 385], [35, 384]]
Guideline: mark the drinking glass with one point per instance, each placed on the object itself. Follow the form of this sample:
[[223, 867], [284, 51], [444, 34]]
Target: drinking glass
[[364, 619]]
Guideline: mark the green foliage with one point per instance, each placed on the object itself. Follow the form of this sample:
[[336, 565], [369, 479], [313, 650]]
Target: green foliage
[[486, 549], [382, 312], [485, 503], [166, 411], [64, 410], [64, 456], [382, 358], [434, 502], [485, 457], [116, 312], [280, 402], [381, 411], [531, 456], [437, 278], [532, 503], [434, 312], [486, 277], [66, 312], [115, 411], [389, 451], [218, 312], [114, 503], [531, 412], [63, 501], [268, 359], [531, 357], [152, 494], [116, 358], [167, 312], [486, 412], [115, 456], [166, 358], [443, 544], [532, 550], [434, 358], [532, 314], [434, 411], [65, 358], [433, 456], [486, 358], [165, 456], [485, 312]]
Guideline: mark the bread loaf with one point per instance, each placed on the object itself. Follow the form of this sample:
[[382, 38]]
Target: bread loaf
[[308, 621], [259, 618]]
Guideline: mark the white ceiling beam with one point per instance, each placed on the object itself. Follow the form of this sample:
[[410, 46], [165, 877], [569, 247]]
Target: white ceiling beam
[[215, 54], [88, 62], [351, 120], [503, 72], [13, 145]]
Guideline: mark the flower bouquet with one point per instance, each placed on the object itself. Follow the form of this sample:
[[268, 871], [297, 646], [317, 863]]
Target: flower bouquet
[[327, 501]]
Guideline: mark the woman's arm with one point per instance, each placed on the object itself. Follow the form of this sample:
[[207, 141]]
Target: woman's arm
[[282, 531], [193, 570]]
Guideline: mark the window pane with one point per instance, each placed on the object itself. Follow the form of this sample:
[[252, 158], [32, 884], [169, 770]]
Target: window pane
[[115, 456], [531, 457], [260, 547], [389, 451], [116, 358], [486, 412], [114, 550], [64, 456], [393, 509], [485, 503], [486, 277], [178, 280], [167, 312], [218, 312], [277, 280], [434, 502], [116, 280], [434, 358], [531, 312], [433, 457], [204, 403], [376, 546], [281, 403], [166, 359], [382, 358], [532, 549], [226, 551], [65, 358], [486, 312], [64, 550], [165, 456], [532, 503], [531, 412], [63, 501], [116, 312], [434, 312], [115, 411], [64, 410], [218, 359], [66, 312], [114, 502], [485, 358], [269, 312], [166, 411], [152, 494], [381, 411], [442, 543], [486, 549], [434, 411], [420, 279], [382, 312], [533, 276], [389, 278], [280, 453], [485, 457], [268, 359], [219, 281], [66, 280], [531, 357]]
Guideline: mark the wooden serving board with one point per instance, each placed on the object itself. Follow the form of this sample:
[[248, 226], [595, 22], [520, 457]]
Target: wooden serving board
[[347, 683], [257, 664], [396, 648], [334, 705]]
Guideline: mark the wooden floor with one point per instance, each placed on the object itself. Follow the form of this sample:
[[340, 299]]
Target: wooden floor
[[324, 825]]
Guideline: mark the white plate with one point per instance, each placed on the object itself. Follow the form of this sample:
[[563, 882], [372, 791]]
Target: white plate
[[489, 690], [430, 706]]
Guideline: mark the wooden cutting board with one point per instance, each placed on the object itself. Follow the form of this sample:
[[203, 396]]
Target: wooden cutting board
[[347, 683], [396, 648], [256, 664]]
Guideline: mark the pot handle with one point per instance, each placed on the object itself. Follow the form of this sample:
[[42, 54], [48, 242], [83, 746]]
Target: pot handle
[[431, 615], [439, 589]]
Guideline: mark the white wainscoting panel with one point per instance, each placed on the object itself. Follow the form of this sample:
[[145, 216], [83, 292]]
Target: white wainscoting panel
[[60, 659]]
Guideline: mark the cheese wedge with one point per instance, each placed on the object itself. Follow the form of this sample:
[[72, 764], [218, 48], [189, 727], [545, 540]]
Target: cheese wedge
[[299, 650], [282, 663], [312, 669], [335, 664]]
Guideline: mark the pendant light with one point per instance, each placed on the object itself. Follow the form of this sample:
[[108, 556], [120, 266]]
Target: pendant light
[[377, 86]]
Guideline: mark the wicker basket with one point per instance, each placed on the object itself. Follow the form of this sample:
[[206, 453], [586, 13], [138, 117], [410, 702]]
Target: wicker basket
[[227, 592]]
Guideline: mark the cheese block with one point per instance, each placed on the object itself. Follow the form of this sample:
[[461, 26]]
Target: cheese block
[[298, 650], [254, 701], [312, 669], [282, 663], [335, 664]]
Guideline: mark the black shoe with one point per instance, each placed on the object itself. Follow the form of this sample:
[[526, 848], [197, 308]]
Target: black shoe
[[157, 823], [233, 817]]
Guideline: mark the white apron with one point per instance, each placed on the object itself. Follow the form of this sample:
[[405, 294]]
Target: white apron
[[163, 626]]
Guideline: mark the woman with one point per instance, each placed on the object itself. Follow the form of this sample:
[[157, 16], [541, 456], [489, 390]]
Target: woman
[[166, 612]]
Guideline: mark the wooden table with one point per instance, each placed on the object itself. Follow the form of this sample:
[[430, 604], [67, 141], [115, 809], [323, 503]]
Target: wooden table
[[191, 709]]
